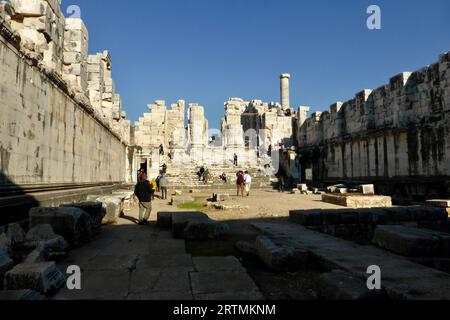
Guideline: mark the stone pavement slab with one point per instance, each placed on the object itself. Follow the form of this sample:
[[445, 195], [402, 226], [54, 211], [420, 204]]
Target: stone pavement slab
[[218, 264], [401, 278]]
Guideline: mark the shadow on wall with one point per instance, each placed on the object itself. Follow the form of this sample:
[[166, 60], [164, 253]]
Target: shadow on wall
[[14, 201]]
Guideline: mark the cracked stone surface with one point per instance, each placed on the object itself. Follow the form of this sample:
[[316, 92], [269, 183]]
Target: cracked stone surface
[[130, 262]]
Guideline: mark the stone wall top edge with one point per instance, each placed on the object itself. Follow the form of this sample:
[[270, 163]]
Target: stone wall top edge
[[13, 39], [388, 88]]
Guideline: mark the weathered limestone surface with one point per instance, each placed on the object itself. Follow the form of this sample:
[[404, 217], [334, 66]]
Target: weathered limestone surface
[[360, 224], [113, 207], [47, 244], [177, 200], [358, 201], [94, 209], [281, 256], [50, 133], [75, 225], [396, 131], [402, 279], [41, 277], [412, 242]]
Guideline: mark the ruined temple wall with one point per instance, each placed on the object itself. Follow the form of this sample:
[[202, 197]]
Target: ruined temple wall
[[45, 135], [398, 130]]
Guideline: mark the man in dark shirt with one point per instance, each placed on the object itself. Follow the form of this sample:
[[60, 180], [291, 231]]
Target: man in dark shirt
[[143, 191]]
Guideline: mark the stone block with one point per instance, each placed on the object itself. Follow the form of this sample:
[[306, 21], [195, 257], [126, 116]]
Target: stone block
[[439, 203], [398, 214], [164, 220], [205, 230], [408, 242], [302, 187], [178, 200], [340, 285], [30, 8], [306, 217], [428, 214], [180, 221], [368, 189], [357, 201], [6, 264], [220, 197], [281, 256], [330, 217], [15, 235], [113, 206], [42, 277], [218, 264], [4, 244], [20, 295], [348, 217], [44, 240], [93, 208], [75, 225]]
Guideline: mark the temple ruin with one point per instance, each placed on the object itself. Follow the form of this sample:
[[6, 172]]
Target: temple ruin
[[358, 183]]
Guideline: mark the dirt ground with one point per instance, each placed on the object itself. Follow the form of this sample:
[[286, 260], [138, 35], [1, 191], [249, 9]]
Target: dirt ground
[[261, 205]]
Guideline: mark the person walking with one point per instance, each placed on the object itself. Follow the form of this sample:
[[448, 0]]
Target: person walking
[[154, 188], [143, 192], [158, 189], [248, 183], [240, 183], [163, 184], [281, 183]]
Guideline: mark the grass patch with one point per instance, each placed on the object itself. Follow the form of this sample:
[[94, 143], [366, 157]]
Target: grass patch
[[191, 206]]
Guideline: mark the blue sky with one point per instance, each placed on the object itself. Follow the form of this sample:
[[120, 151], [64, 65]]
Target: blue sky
[[206, 51]]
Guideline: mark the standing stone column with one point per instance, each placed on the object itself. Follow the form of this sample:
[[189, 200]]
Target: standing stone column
[[285, 96]]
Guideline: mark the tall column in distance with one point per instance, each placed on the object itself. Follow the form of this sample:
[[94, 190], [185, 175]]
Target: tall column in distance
[[284, 85]]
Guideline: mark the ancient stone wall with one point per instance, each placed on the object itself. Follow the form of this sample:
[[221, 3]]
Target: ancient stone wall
[[49, 133], [399, 132]]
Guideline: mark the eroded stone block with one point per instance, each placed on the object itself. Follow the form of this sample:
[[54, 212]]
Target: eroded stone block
[[94, 209], [307, 217], [164, 219], [41, 277], [281, 256], [75, 225], [408, 242]]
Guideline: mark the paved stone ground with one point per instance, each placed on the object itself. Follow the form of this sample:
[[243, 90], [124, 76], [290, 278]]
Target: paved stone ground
[[400, 277], [127, 261]]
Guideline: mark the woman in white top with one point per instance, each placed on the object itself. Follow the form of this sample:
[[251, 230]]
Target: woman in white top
[[248, 183]]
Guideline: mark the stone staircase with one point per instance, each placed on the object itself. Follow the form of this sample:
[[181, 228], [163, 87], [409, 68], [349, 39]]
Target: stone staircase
[[185, 178]]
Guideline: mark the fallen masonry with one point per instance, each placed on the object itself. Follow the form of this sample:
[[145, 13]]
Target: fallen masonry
[[279, 255], [192, 225], [412, 242], [178, 200], [94, 209], [75, 225], [357, 201], [360, 224], [401, 279], [113, 207], [41, 277]]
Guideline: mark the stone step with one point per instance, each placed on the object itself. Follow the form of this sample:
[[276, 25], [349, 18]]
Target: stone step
[[401, 279], [412, 242]]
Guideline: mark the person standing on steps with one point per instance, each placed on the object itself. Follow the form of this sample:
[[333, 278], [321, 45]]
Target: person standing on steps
[[240, 182], [248, 183], [235, 159], [143, 191], [163, 183]]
